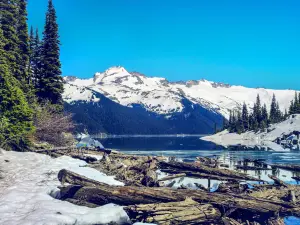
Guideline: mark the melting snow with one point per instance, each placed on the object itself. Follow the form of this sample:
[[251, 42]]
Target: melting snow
[[27, 183]]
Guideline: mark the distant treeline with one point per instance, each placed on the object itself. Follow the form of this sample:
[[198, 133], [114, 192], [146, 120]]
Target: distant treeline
[[259, 119]]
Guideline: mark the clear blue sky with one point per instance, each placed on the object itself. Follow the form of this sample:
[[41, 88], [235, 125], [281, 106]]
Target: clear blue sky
[[254, 43]]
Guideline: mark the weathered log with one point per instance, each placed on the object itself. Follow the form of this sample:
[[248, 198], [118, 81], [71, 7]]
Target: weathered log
[[246, 205], [203, 175], [232, 188], [66, 176], [88, 159], [241, 167], [171, 177], [277, 181], [276, 221], [230, 221], [207, 161], [205, 169], [201, 187], [186, 212], [286, 167], [291, 196], [296, 178]]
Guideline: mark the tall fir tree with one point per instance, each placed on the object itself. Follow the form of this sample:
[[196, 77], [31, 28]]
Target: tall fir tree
[[31, 52], [257, 110], [265, 117], [239, 123], [273, 112], [8, 19], [292, 109], [15, 113], [245, 117], [23, 45], [50, 82]]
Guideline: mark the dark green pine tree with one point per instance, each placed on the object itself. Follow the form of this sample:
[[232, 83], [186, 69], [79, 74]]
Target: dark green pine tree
[[36, 60], [232, 127], [31, 52], [265, 117], [23, 45], [273, 112], [245, 117], [50, 83], [286, 114], [278, 113], [292, 109], [257, 110], [8, 18], [15, 114], [239, 123]]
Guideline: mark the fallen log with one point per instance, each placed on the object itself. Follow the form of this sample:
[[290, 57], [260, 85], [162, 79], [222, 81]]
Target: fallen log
[[88, 159], [200, 175], [66, 176], [181, 166], [296, 178], [247, 206], [186, 212], [286, 167], [241, 167], [171, 177], [277, 181], [276, 221]]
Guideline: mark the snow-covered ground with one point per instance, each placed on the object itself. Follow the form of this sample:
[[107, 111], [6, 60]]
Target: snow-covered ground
[[262, 139], [29, 180], [159, 95]]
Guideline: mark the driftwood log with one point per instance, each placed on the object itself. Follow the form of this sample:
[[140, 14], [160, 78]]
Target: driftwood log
[[277, 181], [171, 177], [186, 212], [246, 206], [183, 167], [66, 176], [286, 167]]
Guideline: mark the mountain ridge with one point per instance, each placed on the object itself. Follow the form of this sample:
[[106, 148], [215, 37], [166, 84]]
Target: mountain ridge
[[161, 96]]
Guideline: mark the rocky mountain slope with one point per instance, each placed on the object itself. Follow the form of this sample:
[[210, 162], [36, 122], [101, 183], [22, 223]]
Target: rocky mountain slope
[[163, 106]]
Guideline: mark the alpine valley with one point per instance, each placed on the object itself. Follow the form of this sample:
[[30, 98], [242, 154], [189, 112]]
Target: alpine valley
[[121, 102]]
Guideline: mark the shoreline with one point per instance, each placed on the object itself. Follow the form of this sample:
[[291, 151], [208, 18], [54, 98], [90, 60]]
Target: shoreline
[[40, 176]]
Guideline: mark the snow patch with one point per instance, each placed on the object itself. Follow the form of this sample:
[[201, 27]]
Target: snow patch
[[30, 178]]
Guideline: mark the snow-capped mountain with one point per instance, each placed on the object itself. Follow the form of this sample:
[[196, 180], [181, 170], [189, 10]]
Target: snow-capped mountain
[[163, 97]]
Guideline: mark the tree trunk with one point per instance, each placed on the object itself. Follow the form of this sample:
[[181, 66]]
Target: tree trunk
[[186, 212], [206, 170]]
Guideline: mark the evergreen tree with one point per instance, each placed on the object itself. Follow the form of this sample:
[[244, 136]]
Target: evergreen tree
[[23, 45], [8, 18], [257, 110], [50, 82], [278, 113], [264, 112], [245, 117], [15, 114], [291, 109], [31, 52], [239, 123], [286, 114], [273, 112]]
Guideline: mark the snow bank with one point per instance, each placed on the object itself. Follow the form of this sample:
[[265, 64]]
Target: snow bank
[[29, 180], [263, 139]]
